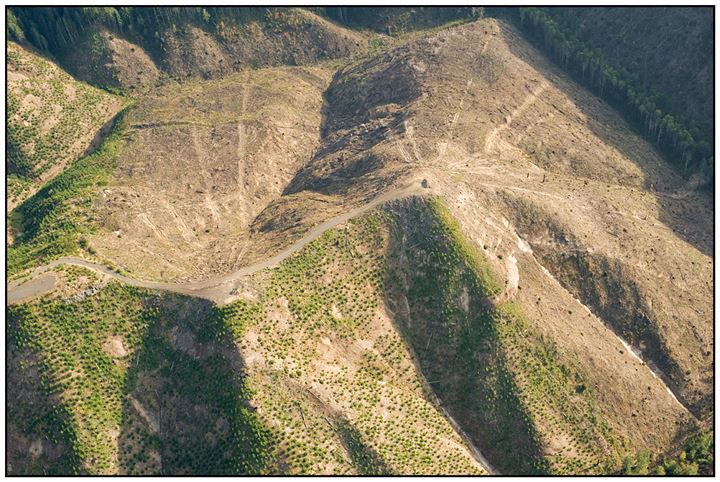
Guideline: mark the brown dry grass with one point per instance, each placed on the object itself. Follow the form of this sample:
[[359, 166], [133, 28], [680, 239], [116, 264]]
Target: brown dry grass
[[533, 166], [528, 145]]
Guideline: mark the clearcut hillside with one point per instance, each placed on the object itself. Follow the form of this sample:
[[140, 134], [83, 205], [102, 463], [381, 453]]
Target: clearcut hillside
[[291, 268], [52, 120]]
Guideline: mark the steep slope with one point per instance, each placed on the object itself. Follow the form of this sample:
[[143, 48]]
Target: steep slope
[[234, 145], [458, 117], [345, 347], [52, 120], [58, 217], [502, 105], [398, 20], [553, 301], [135, 49], [106, 373], [454, 117], [670, 130], [670, 49], [323, 395]]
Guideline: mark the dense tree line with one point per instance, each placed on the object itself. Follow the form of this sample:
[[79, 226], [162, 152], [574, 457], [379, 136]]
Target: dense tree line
[[56, 30], [696, 458], [681, 142], [52, 29], [397, 19]]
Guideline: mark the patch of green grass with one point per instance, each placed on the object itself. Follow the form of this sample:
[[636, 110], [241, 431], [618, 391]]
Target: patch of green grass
[[461, 249], [52, 222]]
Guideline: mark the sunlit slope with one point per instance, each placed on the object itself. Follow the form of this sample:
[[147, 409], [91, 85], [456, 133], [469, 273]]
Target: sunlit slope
[[52, 119], [347, 358], [538, 300]]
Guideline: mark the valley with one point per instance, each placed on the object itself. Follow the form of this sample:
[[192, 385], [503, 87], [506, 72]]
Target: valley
[[426, 252]]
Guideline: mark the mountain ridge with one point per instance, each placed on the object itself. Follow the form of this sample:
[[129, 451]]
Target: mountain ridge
[[371, 247]]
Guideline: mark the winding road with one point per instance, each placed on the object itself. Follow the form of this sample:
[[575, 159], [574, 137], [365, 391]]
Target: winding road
[[42, 281]]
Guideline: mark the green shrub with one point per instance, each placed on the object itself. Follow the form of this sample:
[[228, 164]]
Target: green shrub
[[54, 220]]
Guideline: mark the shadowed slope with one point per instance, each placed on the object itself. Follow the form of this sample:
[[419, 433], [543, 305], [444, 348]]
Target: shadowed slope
[[186, 409], [150, 383]]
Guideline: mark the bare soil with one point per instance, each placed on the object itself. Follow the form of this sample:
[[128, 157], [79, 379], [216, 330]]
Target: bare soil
[[580, 217]]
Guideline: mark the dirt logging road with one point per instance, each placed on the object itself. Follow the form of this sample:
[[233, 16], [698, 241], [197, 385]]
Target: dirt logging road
[[221, 289], [41, 281]]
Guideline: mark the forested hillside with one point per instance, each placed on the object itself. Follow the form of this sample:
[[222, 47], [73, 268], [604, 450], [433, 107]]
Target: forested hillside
[[669, 49], [134, 49], [661, 117]]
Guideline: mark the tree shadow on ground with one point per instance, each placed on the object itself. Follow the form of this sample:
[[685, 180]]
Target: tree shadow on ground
[[458, 351], [688, 214], [186, 409], [365, 459]]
